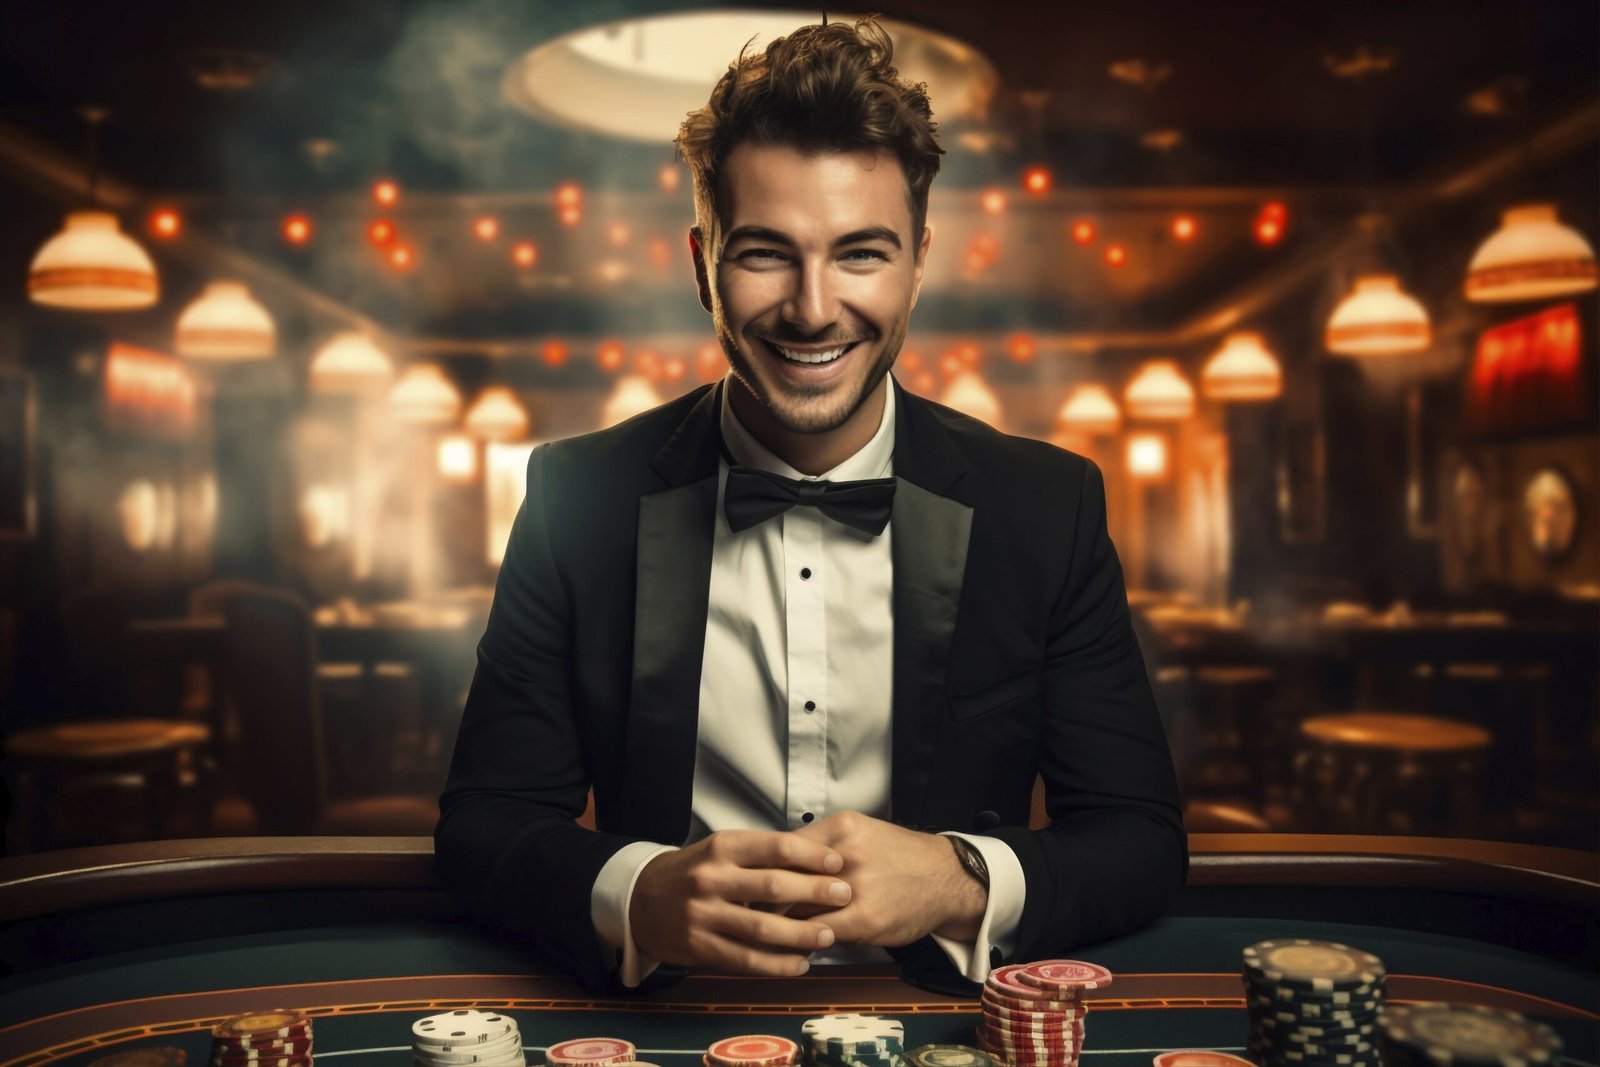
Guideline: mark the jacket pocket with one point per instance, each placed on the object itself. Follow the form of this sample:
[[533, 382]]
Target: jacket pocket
[[1024, 685]]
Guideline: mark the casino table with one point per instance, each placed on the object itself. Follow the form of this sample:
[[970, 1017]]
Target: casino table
[[123, 947]]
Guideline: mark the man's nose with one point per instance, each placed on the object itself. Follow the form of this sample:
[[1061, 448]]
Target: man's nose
[[812, 305]]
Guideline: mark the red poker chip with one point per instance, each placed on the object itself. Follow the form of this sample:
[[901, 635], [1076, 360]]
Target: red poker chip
[[1003, 980], [1073, 1008], [277, 1047], [1029, 1058], [301, 1060], [1030, 1042], [1200, 1057], [1011, 1026], [753, 1050], [602, 1051], [1064, 976]]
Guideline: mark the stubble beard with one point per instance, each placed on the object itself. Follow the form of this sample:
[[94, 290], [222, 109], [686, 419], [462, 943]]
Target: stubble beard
[[797, 409]]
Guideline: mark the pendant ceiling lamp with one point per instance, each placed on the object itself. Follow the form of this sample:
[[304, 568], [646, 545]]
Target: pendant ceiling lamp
[[632, 395], [1159, 391], [1378, 318], [970, 395], [1532, 256], [424, 397], [1091, 409], [498, 416], [91, 265], [1242, 370], [226, 323], [350, 363]]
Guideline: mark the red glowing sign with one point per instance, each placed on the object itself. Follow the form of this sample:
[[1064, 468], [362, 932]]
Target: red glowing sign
[[1530, 374]]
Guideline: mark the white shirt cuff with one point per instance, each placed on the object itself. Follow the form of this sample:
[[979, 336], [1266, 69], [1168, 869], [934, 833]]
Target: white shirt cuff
[[1007, 893], [609, 901]]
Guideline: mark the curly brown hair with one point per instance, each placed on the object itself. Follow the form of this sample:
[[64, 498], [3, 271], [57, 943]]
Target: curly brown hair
[[822, 88]]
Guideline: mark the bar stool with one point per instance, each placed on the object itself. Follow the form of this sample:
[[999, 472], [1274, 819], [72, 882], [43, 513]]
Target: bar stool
[[1238, 729], [165, 759], [1376, 772]]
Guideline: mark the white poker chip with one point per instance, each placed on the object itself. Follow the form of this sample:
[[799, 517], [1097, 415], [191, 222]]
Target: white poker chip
[[854, 1033], [465, 1026], [504, 1047]]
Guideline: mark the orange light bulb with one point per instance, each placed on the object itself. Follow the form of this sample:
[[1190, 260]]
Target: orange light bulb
[[1184, 228], [297, 229], [386, 193], [554, 353], [610, 356], [402, 256], [1116, 255], [486, 228], [524, 254], [993, 201], [1083, 232], [380, 233], [1037, 180], [166, 224]]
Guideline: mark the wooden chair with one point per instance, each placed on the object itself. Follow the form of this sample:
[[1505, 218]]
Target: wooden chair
[[283, 769], [161, 761]]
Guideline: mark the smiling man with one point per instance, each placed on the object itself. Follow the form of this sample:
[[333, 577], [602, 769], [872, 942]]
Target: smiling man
[[809, 638]]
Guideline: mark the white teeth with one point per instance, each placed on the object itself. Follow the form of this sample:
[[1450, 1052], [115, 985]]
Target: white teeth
[[812, 357]]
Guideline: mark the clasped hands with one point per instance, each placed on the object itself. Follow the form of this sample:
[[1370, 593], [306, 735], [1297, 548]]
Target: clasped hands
[[760, 901]]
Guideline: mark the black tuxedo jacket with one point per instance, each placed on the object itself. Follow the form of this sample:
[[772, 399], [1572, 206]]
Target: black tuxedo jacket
[[1013, 657]]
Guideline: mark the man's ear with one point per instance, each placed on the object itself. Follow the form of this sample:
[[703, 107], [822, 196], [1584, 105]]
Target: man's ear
[[702, 275], [922, 263]]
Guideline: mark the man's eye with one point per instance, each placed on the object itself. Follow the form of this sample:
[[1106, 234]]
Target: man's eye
[[864, 255], [761, 255]]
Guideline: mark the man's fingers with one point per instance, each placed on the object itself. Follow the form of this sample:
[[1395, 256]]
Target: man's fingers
[[717, 950], [776, 848], [778, 886], [763, 928]]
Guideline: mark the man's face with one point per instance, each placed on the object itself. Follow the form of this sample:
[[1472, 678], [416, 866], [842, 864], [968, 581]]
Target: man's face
[[816, 278]]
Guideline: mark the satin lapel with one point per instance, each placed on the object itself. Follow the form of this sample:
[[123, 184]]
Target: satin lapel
[[930, 535], [671, 592]]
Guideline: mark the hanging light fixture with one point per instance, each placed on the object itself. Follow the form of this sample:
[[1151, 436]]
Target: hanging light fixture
[[632, 395], [1091, 409], [1378, 318], [1242, 369], [91, 265], [969, 394], [1532, 256], [1146, 458], [226, 323], [1159, 391], [497, 416], [424, 397], [350, 363]]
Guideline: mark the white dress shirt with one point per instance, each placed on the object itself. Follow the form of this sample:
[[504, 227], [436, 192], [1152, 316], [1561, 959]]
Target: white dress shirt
[[796, 695]]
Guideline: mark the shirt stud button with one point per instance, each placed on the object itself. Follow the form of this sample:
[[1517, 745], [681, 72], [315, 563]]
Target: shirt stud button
[[807, 817], [805, 573], [811, 705]]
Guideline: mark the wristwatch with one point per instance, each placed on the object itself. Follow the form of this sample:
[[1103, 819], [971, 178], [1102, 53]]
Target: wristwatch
[[971, 860]]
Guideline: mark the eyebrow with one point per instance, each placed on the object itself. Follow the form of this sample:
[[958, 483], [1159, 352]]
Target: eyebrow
[[765, 233]]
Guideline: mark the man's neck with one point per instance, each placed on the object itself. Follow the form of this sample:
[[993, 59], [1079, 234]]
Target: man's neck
[[810, 453]]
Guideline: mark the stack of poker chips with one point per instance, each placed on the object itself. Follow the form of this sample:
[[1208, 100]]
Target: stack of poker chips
[[949, 1056], [1459, 1035], [753, 1050], [1033, 1013], [276, 1038], [591, 1052], [851, 1040], [1313, 1003], [466, 1038]]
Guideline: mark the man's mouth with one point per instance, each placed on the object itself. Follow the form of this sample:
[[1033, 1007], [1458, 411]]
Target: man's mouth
[[810, 355]]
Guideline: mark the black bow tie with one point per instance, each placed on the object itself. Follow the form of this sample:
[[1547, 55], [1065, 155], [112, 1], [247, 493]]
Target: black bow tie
[[754, 496]]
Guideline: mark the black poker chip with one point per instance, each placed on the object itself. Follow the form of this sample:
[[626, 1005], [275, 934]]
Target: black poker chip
[[1448, 1035]]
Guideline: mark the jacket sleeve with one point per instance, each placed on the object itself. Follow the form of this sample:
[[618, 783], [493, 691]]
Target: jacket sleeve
[[1115, 853], [508, 848]]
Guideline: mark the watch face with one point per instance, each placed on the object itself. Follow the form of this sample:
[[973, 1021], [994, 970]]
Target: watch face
[[1550, 512]]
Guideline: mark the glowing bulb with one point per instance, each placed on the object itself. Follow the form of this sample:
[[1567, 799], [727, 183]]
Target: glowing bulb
[[386, 193], [610, 356], [297, 229], [1184, 228], [1083, 232], [570, 216], [554, 353], [380, 233], [1022, 347], [1037, 180], [486, 228], [568, 195], [669, 177], [402, 256], [1268, 231], [165, 224], [993, 201], [1116, 255], [524, 254]]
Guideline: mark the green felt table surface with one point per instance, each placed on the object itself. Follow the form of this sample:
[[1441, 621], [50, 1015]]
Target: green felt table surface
[[1178, 986]]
